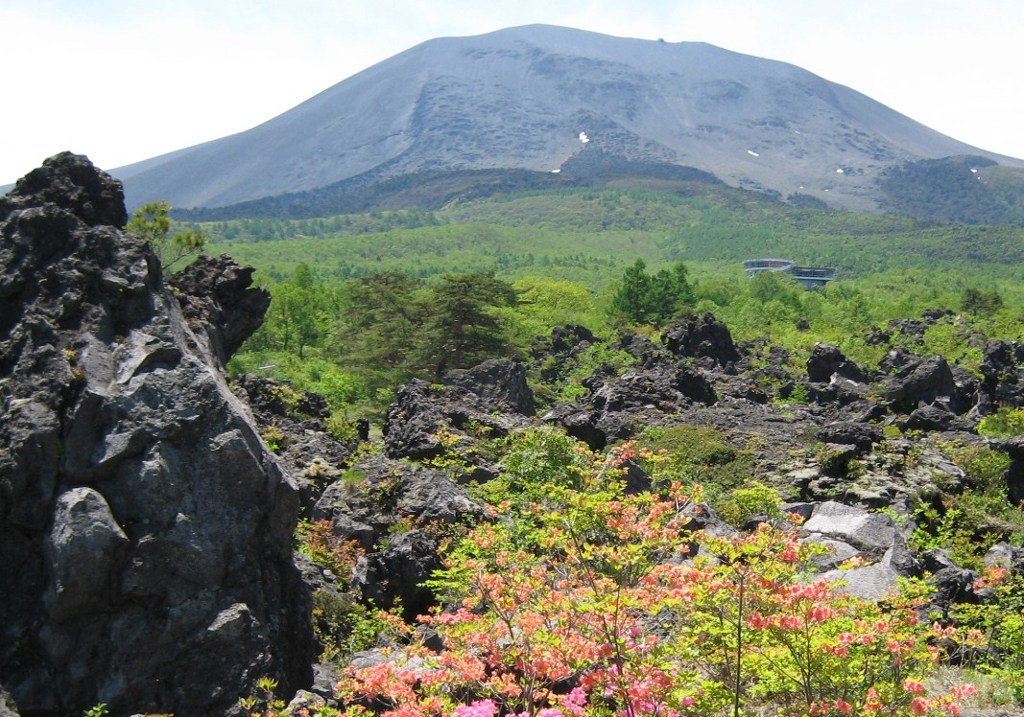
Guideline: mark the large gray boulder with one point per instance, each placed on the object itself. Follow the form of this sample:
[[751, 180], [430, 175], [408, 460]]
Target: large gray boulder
[[500, 381], [922, 381], [852, 531], [145, 530], [826, 361], [423, 414], [704, 338]]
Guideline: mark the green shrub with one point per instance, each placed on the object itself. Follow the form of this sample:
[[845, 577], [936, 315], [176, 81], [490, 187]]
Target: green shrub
[[999, 648], [342, 429], [343, 625], [741, 504], [317, 541], [1004, 423], [695, 454], [599, 356], [532, 461]]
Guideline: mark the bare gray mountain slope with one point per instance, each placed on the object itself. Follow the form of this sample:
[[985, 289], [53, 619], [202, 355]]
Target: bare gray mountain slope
[[521, 97]]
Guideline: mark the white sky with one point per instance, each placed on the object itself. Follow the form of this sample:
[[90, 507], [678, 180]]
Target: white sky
[[125, 80]]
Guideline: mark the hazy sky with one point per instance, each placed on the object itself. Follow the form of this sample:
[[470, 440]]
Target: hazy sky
[[125, 80]]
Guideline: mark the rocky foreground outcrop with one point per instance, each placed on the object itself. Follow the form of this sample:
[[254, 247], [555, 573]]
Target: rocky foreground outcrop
[[145, 530]]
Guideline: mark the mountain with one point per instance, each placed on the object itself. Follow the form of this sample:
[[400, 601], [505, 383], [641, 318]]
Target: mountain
[[536, 97]]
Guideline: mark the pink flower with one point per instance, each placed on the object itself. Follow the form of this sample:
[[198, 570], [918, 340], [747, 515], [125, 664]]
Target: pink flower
[[913, 686], [963, 691], [480, 708], [871, 702], [575, 701], [820, 613], [919, 705], [758, 621]]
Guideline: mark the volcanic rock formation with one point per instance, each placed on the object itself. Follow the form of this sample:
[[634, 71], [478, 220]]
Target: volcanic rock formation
[[145, 530]]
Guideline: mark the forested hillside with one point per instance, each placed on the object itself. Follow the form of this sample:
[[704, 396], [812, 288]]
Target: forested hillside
[[561, 256], [590, 235]]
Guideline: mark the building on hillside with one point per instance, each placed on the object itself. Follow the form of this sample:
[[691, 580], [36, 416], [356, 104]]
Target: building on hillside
[[810, 277]]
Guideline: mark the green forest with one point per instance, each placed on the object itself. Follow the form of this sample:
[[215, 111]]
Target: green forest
[[357, 299]]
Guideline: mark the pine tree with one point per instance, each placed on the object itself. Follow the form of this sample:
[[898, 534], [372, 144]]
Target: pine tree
[[460, 330], [643, 298], [380, 330]]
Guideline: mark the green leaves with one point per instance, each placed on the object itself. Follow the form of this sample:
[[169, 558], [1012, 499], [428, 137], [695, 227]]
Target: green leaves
[[645, 298], [153, 223], [460, 329], [394, 326]]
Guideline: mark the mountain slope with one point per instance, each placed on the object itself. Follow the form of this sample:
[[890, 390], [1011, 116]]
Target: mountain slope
[[533, 97]]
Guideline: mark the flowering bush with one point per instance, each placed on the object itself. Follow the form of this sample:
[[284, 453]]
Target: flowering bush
[[585, 601]]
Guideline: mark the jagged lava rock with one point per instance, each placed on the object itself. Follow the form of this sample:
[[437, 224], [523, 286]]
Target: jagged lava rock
[[620, 407], [826, 361], [704, 338], [215, 293], [556, 355], [421, 413], [922, 381], [1003, 371], [145, 531], [307, 451], [368, 505], [501, 381]]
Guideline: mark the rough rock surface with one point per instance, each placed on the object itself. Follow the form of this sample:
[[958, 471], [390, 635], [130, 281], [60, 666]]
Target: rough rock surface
[[922, 381], [704, 338], [1003, 370], [851, 532], [307, 452], [558, 354], [216, 296], [827, 361], [145, 530], [395, 511], [620, 407], [7, 706], [500, 381], [422, 413]]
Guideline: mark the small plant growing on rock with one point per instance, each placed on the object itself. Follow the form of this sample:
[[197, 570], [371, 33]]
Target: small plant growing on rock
[[287, 395], [274, 437], [317, 541], [152, 222], [341, 429], [262, 702], [453, 458], [344, 626], [835, 461]]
